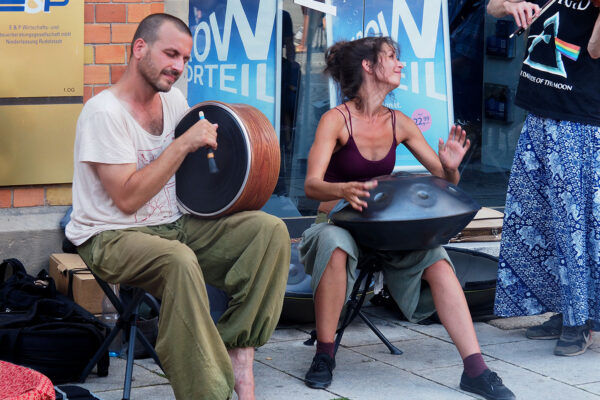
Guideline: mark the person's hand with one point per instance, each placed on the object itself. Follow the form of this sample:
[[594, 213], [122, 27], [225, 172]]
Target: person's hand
[[452, 152], [354, 192], [523, 12], [201, 134]]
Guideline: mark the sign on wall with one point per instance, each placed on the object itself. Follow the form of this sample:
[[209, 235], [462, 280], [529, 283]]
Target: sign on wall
[[420, 29], [235, 54], [41, 43], [41, 95]]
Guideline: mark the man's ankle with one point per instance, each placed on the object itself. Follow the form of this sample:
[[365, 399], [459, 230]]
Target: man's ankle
[[242, 360]]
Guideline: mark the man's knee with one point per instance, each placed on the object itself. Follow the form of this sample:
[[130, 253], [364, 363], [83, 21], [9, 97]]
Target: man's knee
[[179, 261], [267, 223]]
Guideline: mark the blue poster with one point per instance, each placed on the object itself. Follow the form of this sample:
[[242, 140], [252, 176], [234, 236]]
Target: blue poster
[[234, 58], [420, 29]]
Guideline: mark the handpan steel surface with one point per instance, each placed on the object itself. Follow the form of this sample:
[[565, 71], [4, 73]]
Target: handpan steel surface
[[407, 212], [247, 158]]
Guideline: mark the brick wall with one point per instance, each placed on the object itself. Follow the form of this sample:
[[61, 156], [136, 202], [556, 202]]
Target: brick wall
[[108, 30]]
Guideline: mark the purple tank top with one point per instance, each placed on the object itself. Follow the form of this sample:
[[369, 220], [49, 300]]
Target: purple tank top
[[347, 164]]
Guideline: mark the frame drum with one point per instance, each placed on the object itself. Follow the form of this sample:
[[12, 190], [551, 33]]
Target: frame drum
[[247, 158]]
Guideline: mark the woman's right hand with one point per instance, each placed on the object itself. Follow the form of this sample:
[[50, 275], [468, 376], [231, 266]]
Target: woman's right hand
[[354, 192], [523, 12]]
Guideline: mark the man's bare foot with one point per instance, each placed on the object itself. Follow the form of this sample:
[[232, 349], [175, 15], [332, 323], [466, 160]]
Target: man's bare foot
[[242, 360]]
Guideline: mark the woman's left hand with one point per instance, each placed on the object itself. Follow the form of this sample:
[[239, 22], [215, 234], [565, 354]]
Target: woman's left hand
[[452, 152]]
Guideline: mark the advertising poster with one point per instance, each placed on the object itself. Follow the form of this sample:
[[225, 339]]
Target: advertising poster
[[41, 43], [234, 58], [420, 29]]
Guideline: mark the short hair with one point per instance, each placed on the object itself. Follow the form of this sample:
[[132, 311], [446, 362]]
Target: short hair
[[148, 28]]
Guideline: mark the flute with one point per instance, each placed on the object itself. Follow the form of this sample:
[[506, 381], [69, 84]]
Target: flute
[[520, 31]]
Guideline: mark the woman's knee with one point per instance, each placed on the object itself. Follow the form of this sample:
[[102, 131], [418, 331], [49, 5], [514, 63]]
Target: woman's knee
[[439, 270], [337, 262]]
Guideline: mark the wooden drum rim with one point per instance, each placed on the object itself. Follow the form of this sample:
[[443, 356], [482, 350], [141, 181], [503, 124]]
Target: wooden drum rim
[[257, 174]]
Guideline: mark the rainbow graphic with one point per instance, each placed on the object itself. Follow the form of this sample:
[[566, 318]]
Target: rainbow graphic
[[567, 49]]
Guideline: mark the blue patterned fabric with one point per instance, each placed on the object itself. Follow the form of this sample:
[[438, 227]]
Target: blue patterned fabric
[[550, 250]]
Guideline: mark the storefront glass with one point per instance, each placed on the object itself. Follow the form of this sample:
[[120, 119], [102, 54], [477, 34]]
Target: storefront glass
[[485, 66]]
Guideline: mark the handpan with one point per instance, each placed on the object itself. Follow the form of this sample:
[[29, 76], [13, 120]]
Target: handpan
[[407, 212], [247, 159]]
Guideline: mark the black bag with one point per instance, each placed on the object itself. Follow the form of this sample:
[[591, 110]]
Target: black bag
[[73, 392], [46, 331]]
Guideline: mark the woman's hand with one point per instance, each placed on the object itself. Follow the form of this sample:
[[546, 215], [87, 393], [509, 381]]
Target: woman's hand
[[353, 192], [523, 12], [452, 152]]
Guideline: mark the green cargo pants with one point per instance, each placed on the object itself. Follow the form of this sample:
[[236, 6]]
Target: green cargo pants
[[246, 254]]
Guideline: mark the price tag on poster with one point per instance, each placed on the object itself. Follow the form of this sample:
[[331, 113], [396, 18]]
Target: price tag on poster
[[41, 43], [420, 27]]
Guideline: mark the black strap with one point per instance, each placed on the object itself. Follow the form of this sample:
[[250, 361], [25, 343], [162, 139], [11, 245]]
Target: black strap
[[9, 267], [72, 272]]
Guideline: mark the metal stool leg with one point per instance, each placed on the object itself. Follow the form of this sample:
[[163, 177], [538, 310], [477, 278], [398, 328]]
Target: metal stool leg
[[353, 306], [130, 354]]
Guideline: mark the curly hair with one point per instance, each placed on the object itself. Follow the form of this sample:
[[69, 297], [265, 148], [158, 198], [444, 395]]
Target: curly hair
[[344, 63]]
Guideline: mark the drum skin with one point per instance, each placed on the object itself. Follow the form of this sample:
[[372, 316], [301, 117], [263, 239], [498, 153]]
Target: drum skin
[[407, 212], [247, 157]]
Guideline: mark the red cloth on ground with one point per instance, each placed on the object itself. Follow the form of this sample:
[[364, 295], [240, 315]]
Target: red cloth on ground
[[20, 383]]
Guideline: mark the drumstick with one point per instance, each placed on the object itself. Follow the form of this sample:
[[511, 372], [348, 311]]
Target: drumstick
[[212, 165], [546, 6]]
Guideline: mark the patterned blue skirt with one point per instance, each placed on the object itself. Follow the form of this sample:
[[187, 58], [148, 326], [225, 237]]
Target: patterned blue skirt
[[550, 249]]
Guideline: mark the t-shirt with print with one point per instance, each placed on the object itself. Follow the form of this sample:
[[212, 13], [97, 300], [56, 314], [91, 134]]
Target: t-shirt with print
[[107, 133], [559, 79]]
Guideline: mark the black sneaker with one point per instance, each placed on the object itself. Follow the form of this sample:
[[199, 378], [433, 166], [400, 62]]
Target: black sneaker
[[488, 384], [320, 374], [550, 329], [574, 340]]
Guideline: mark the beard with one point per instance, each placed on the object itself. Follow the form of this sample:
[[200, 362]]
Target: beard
[[153, 76]]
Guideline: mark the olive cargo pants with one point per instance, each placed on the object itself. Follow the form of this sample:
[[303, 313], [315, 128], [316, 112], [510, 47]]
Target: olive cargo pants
[[246, 254]]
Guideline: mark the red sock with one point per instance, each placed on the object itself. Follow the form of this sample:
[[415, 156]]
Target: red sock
[[326, 348], [474, 365]]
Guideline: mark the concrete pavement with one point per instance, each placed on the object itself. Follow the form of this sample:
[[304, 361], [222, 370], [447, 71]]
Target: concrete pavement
[[430, 367]]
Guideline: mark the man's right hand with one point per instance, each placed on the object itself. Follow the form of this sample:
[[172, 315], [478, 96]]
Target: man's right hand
[[201, 134], [523, 12]]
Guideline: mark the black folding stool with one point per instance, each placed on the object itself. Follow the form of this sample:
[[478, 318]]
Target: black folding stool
[[368, 264], [127, 322]]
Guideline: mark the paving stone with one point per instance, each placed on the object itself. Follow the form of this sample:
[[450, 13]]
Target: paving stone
[[520, 322], [591, 387], [358, 333], [116, 375], [273, 384], [299, 333], [418, 354], [430, 367], [154, 392], [537, 356], [524, 384]]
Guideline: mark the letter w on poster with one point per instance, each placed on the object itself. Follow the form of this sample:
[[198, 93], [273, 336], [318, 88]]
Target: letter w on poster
[[234, 55]]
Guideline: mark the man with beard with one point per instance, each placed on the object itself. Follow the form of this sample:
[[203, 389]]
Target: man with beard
[[128, 229]]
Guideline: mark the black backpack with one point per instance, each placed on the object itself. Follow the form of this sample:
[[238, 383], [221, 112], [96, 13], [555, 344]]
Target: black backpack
[[45, 330]]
